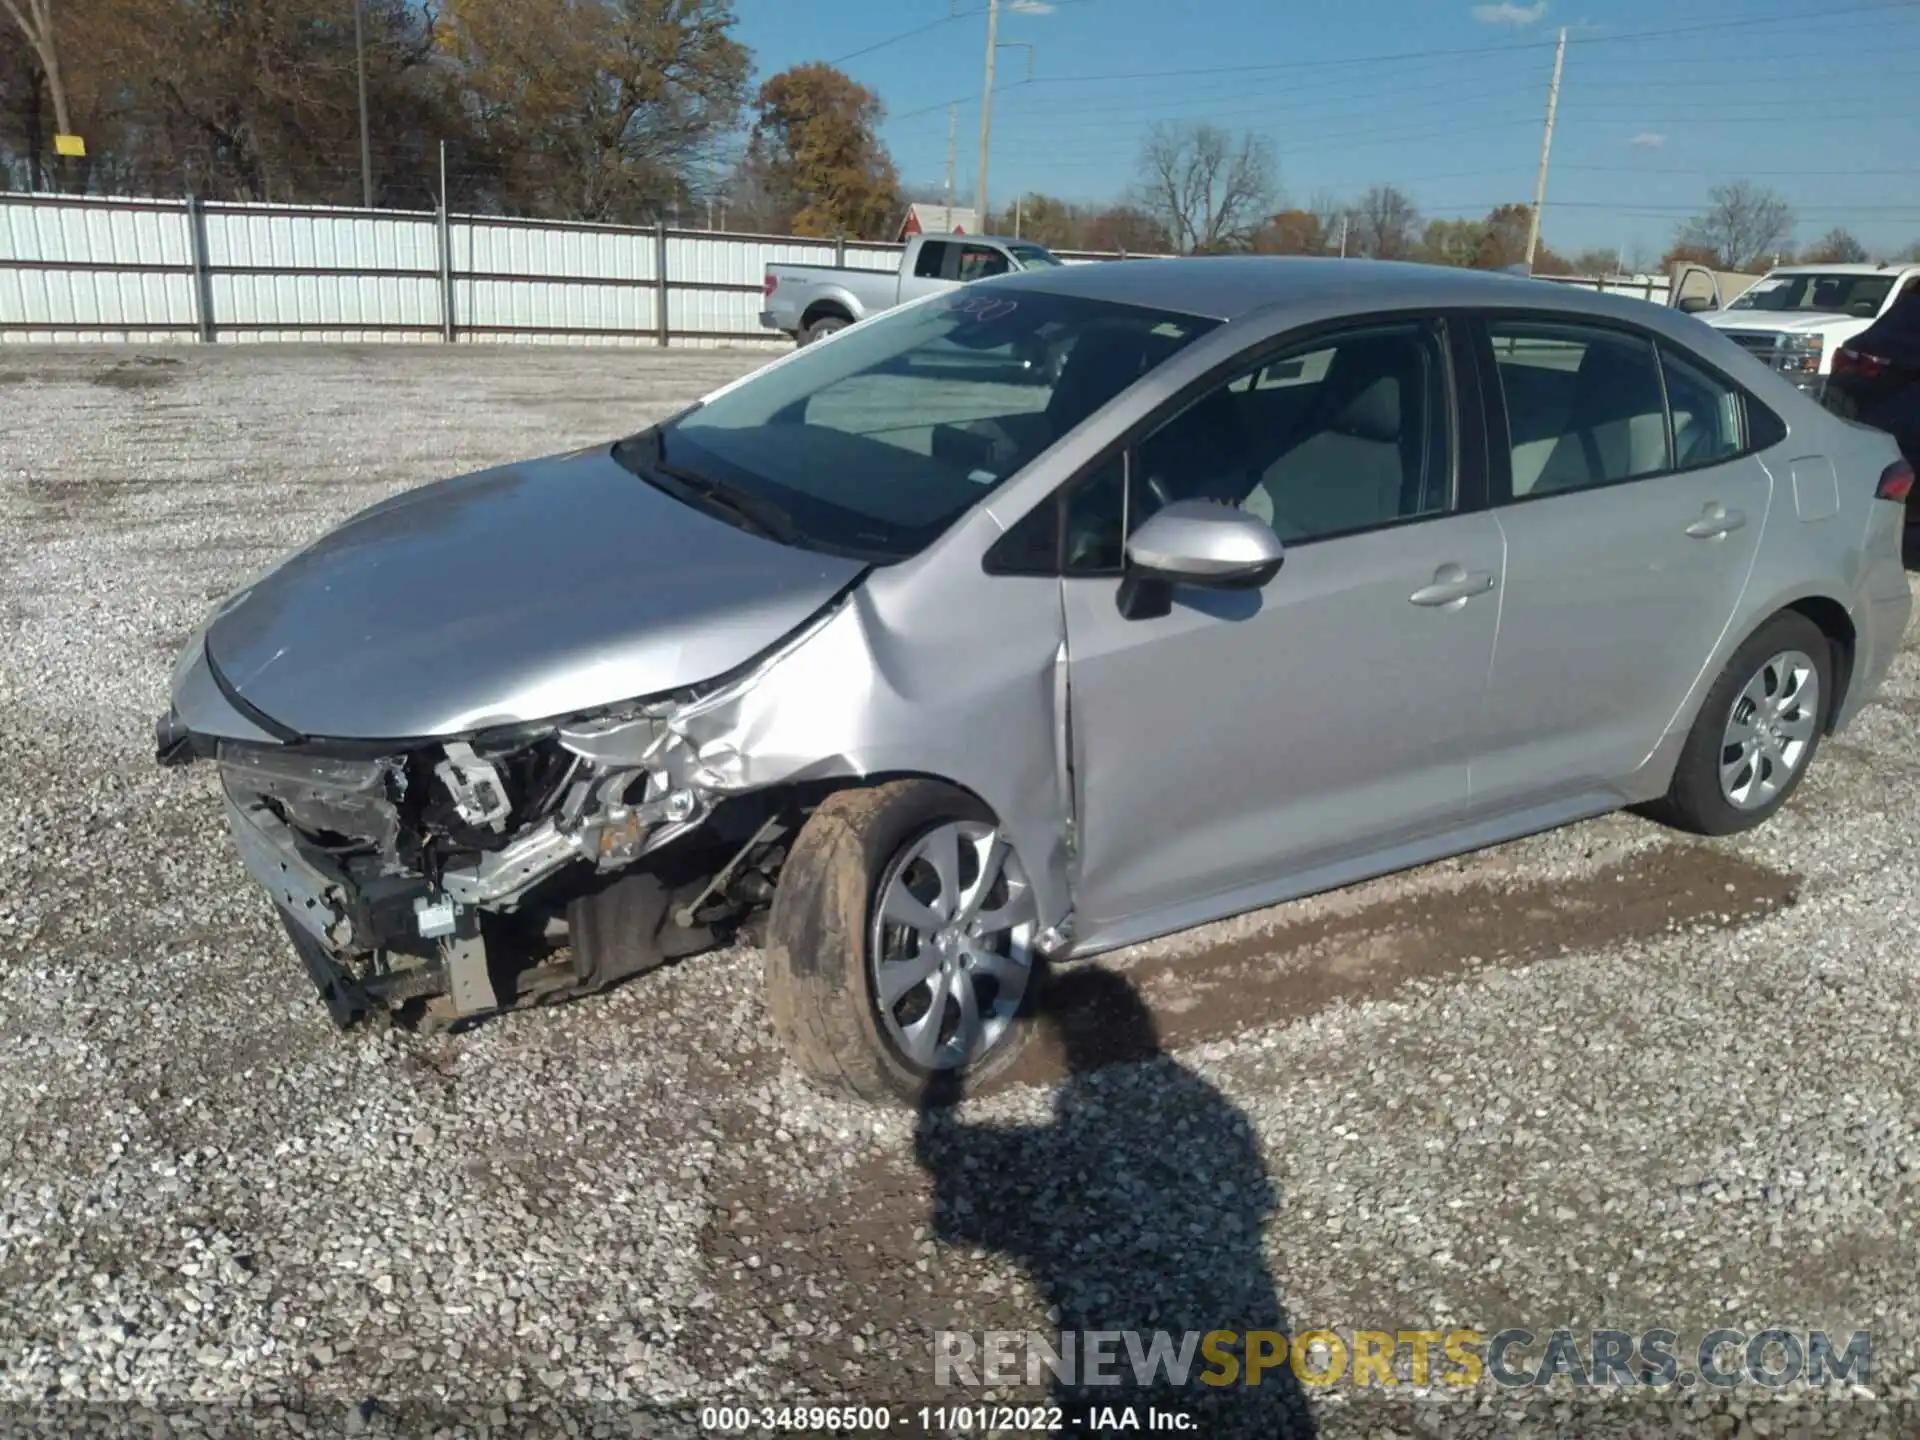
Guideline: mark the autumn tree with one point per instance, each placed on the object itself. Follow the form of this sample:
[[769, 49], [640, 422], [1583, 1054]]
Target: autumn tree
[[1453, 242], [1678, 254], [1209, 190], [1836, 247], [816, 140], [88, 39], [1125, 229], [34, 19], [258, 102], [1045, 219], [1503, 239], [1743, 225], [1603, 261], [1291, 232], [606, 110], [1385, 224]]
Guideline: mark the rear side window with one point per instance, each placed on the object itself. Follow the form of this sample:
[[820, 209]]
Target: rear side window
[[1764, 428], [931, 260], [1584, 406], [1706, 412]]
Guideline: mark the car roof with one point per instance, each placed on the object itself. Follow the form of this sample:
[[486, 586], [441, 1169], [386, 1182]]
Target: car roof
[[1230, 287], [1850, 268], [990, 239]]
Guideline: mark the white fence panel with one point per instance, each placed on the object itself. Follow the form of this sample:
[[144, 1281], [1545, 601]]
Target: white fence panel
[[87, 268], [97, 270], [518, 280]]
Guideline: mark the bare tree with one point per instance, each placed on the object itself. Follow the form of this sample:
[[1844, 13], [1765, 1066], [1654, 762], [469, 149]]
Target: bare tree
[[1210, 191], [1744, 224], [1837, 247], [1385, 224]]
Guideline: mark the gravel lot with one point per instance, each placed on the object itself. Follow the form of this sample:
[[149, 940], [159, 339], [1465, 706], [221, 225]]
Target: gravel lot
[[1607, 1077]]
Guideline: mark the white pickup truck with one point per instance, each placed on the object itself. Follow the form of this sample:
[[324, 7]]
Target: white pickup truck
[[808, 301], [1796, 317]]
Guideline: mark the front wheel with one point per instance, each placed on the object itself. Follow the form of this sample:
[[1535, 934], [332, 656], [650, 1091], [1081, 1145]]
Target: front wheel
[[899, 955], [1753, 740]]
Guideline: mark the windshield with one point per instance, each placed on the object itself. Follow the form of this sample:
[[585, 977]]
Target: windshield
[[1843, 294], [1033, 257], [874, 442]]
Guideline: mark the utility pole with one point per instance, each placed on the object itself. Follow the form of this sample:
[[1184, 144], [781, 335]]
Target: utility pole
[[1016, 215], [1546, 147], [1343, 237], [986, 107], [360, 69], [953, 122]]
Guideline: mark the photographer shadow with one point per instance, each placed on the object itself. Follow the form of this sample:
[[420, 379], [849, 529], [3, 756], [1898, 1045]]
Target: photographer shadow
[[1138, 1207]]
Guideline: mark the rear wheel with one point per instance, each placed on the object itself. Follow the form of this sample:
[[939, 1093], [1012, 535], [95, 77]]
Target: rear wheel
[[822, 327], [899, 952], [1757, 733]]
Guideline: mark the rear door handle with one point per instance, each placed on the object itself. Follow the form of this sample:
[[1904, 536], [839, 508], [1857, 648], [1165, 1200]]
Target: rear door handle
[[1715, 521], [1452, 584]]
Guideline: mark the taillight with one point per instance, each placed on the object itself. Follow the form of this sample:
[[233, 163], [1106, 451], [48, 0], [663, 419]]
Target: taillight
[[767, 288], [1858, 363], [1896, 482]]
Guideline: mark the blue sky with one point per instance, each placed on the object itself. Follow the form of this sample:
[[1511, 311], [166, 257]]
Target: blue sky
[[1444, 98]]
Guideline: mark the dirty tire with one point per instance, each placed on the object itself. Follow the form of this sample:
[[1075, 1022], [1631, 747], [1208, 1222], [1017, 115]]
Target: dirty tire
[[1694, 801], [823, 327], [818, 991]]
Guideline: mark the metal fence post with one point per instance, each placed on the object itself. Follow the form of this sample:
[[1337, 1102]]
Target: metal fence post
[[202, 279], [446, 250], [840, 250], [446, 273], [661, 333]]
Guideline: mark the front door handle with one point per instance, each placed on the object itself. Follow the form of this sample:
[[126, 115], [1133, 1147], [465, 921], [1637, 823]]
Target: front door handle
[[1451, 584], [1715, 521]]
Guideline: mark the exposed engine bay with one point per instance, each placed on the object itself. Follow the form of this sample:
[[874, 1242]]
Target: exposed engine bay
[[439, 878]]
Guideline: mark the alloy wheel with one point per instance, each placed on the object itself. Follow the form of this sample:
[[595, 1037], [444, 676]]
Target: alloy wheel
[[951, 952], [1769, 730]]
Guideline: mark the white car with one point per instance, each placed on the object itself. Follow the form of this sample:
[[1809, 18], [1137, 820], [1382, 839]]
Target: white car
[[1797, 317]]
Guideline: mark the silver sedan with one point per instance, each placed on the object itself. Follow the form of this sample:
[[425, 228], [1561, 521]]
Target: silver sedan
[[1036, 618]]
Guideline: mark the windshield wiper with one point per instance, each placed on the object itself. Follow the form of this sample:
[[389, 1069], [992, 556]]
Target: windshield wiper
[[761, 515], [644, 455]]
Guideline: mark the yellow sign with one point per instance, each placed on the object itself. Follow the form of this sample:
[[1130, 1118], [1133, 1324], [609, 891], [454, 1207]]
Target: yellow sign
[[69, 145]]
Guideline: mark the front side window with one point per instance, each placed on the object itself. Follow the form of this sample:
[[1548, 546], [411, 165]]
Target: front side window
[[1706, 412], [978, 262], [1584, 406], [876, 441], [1343, 433]]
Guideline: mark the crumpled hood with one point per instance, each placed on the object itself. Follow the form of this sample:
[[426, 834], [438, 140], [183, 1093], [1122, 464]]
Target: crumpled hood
[[522, 593]]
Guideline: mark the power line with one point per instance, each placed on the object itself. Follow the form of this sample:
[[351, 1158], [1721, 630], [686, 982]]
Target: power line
[[903, 35], [1883, 6]]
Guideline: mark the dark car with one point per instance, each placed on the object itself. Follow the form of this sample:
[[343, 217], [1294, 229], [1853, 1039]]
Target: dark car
[[1876, 379]]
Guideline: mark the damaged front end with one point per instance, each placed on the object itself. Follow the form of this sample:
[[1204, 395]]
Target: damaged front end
[[442, 875]]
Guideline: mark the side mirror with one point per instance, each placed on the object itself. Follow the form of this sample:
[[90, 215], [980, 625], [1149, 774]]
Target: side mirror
[[1196, 542], [1694, 304]]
